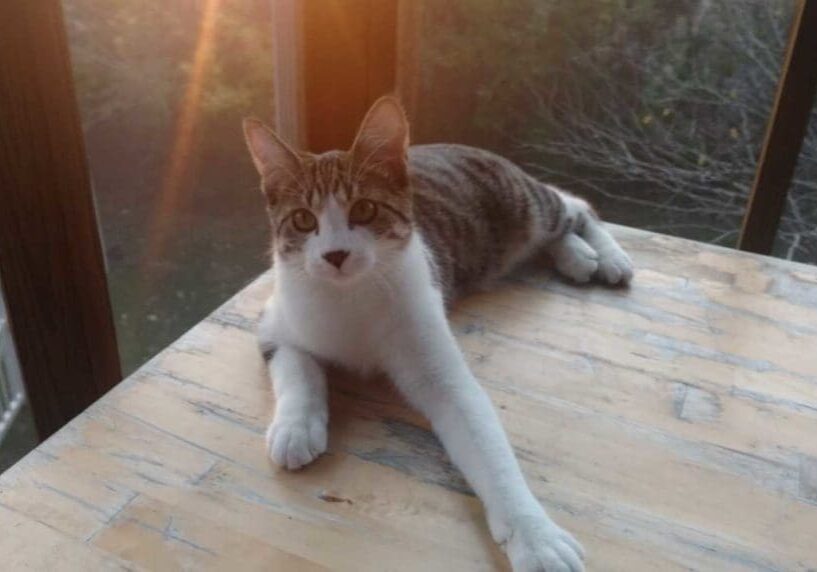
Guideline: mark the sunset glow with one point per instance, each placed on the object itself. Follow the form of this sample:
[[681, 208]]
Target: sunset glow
[[173, 184]]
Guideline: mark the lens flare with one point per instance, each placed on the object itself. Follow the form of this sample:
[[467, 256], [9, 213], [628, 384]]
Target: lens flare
[[173, 187]]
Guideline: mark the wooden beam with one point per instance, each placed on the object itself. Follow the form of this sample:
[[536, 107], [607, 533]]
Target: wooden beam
[[51, 261], [784, 134], [349, 60], [290, 120], [409, 26]]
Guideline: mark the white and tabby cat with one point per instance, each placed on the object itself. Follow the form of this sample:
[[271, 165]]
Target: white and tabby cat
[[368, 247]]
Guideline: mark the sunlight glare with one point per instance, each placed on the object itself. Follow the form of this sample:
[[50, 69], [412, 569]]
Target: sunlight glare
[[173, 187]]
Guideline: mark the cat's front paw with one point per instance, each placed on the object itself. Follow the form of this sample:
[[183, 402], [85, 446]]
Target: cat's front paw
[[293, 443], [537, 544]]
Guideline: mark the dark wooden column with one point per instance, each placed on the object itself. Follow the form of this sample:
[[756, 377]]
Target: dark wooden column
[[784, 134], [341, 56], [51, 262]]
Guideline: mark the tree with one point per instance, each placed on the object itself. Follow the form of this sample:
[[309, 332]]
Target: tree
[[682, 141], [655, 110]]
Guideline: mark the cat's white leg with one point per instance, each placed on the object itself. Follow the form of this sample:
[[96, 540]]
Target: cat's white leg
[[297, 434], [430, 371], [574, 258], [615, 266]]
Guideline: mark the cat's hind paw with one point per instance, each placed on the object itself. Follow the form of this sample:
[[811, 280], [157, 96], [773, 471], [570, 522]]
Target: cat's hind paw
[[574, 258], [615, 266], [293, 443]]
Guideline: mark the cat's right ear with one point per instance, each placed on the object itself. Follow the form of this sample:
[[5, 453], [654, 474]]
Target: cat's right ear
[[272, 157]]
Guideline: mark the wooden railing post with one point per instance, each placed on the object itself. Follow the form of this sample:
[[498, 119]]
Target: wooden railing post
[[344, 55], [51, 261], [784, 134]]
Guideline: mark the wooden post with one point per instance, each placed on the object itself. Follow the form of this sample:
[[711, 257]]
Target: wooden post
[[51, 261], [350, 53], [409, 25], [290, 119], [784, 134]]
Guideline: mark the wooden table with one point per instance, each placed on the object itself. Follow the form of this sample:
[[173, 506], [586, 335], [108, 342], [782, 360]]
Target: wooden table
[[670, 427]]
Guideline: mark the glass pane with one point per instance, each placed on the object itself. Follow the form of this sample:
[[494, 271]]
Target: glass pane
[[797, 234], [163, 87], [655, 111], [17, 432]]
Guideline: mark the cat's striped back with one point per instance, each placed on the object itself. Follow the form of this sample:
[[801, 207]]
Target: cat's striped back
[[479, 213]]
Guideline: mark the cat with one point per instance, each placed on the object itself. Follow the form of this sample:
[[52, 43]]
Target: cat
[[370, 247]]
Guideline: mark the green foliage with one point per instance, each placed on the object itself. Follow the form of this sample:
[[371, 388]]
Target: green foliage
[[654, 109], [134, 59], [132, 62]]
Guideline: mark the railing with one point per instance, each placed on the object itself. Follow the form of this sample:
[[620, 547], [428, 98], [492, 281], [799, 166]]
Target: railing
[[11, 385]]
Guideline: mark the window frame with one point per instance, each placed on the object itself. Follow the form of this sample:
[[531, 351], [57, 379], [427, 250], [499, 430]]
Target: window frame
[[785, 131]]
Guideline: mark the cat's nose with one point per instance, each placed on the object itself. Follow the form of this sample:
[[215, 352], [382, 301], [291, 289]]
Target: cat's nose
[[336, 257]]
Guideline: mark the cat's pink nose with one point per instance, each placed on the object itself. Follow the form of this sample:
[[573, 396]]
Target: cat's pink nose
[[336, 257]]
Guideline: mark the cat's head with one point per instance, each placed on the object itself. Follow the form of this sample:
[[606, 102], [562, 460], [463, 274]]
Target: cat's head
[[340, 214]]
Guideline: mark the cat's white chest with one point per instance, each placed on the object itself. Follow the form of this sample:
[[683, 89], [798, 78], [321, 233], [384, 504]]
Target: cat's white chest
[[340, 327], [355, 326]]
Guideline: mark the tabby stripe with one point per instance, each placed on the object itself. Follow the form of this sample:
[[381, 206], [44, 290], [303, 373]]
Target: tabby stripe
[[429, 222], [429, 183], [397, 213], [558, 214], [536, 192], [486, 172], [552, 196], [450, 178], [474, 164], [479, 181]]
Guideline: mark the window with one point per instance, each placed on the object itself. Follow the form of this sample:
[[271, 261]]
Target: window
[[163, 87], [655, 111], [17, 433], [797, 234]]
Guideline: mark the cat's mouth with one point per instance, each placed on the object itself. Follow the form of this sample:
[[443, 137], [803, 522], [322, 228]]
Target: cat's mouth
[[340, 276], [350, 272]]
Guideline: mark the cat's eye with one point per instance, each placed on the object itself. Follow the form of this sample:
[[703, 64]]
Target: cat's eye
[[363, 212], [304, 221]]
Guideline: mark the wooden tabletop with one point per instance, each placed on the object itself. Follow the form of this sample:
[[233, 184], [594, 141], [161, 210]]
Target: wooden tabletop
[[671, 426]]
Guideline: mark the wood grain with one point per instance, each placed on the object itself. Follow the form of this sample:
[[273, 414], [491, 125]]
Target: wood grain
[[51, 262], [669, 426]]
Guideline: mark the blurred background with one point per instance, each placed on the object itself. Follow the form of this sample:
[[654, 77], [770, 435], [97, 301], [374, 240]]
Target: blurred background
[[655, 110], [182, 219]]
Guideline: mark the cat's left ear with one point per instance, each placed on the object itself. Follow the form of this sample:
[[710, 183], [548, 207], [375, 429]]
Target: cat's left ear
[[271, 156], [382, 141]]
